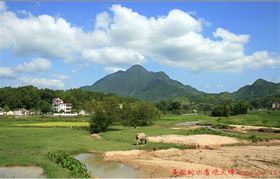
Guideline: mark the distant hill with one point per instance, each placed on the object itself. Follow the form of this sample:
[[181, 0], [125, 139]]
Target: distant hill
[[140, 83], [155, 86], [260, 88]]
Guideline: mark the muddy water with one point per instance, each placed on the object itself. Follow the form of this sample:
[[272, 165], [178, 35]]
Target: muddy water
[[21, 172], [97, 167]]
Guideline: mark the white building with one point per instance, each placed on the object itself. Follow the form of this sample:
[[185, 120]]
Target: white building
[[21, 112], [83, 113], [1, 112], [58, 106], [10, 113]]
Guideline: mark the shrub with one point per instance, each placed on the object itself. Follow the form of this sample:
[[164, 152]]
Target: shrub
[[239, 108], [230, 109], [139, 114], [104, 115], [130, 114], [253, 138], [76, 168], [99, 121], [221, 110]]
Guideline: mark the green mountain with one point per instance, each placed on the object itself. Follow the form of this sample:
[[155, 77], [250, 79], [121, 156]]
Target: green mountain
[[140, 83], [259, 89], [155, 86]]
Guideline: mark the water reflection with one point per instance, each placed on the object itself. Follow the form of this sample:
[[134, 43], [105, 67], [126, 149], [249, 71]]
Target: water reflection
[[98, 167]]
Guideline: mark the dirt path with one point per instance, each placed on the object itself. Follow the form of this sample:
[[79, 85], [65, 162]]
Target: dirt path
[[241, 161]]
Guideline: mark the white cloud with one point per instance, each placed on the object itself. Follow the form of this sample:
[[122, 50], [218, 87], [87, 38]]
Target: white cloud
[[113, 56], [122, 36], [6, 72], [43, 83], [42, 35], [111, 69], [60, 76], [35, 65]]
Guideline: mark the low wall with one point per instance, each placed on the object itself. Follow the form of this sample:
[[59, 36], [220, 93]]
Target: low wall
[[65, 114]]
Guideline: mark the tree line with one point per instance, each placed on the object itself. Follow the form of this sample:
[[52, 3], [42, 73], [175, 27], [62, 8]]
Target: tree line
[[32, 98], [106, 109], [231, 107]]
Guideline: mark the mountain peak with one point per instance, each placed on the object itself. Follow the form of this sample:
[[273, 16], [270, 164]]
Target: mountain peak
[[260, 81], [137, 68], [143, 84]]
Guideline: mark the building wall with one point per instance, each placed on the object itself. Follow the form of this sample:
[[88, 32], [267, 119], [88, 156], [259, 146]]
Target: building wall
[[59, 105], [276, 105]]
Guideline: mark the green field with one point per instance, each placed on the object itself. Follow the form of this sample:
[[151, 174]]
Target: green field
[[261, 118], [26, 141]]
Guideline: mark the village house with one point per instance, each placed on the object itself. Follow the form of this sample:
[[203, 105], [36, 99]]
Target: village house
[[10, 113], [59, 106], [21, 112], [276, 105], [83, 113]]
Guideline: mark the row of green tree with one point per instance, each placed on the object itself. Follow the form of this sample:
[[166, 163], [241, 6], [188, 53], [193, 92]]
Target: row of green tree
[[32, 98], [230, 109], [107, 109], [183, 105]]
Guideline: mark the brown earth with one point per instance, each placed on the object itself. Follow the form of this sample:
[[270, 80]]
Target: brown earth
[[203, 140], [242, 161], [96, 136]]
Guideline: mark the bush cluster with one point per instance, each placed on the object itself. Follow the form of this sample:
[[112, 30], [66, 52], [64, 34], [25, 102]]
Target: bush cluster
[[76, 168], [129, 114], [230, 109]]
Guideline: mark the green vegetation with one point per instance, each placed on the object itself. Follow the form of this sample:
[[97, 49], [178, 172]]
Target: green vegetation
[[76, 168], [32, 98], [129, 114], [258, 118], [139, 83], [30, 145], [161, 146], [228, 109], [158, 87], [139, 114], [103, 117]]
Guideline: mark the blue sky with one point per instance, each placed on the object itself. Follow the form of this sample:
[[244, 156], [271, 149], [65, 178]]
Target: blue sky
[[213, 47]]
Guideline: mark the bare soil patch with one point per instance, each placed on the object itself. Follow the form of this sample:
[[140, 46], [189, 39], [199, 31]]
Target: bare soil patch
[[96, 136], [244, 161], [123, 153], [195, 140], [21, 172]]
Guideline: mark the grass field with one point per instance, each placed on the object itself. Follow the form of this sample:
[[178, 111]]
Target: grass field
[[260, 118], [26, 141]]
